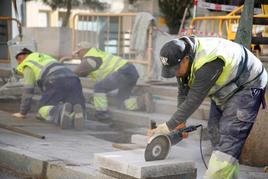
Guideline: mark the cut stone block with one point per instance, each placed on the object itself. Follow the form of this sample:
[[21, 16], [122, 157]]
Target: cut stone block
[[132, 164]]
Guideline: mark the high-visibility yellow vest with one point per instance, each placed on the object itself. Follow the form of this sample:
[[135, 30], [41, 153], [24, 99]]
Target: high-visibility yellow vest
[[233, 55], [37, 62], [110, 64]]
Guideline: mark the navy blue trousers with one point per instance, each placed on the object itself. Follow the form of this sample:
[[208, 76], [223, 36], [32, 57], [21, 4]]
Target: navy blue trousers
[[230, 125], [124, 80], [62, 90]]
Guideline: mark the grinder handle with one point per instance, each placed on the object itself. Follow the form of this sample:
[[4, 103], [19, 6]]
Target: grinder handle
[[190, 128], [153, 124]]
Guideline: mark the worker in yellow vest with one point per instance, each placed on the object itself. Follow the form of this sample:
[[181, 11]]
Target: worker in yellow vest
[[62, 100], [232, 77], [109, 72]]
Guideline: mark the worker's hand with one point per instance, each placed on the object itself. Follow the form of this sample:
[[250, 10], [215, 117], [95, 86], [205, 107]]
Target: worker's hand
[[18, 115], [161, 129]]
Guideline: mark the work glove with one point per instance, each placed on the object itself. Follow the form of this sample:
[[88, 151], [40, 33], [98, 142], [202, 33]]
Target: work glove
[[161, 129], [18, 115]]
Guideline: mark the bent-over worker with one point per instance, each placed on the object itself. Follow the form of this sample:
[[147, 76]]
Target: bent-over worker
[[235, 81]]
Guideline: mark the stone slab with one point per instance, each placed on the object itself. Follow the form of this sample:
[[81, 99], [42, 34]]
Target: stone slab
[[132, 163]]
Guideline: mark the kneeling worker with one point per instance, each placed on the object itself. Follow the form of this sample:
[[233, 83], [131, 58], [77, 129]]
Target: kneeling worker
[[62, 100], [109, 73]]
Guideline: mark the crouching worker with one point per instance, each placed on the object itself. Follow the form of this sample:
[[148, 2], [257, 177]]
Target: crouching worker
[[62, 100], [109, 73]]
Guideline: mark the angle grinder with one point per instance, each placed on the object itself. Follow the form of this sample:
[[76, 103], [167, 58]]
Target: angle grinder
[[159, 146]]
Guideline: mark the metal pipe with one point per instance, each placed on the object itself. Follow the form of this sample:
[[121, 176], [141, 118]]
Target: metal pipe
[[21, 131]]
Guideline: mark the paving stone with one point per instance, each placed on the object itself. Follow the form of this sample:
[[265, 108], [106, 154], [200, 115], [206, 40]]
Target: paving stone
[[131, 163]]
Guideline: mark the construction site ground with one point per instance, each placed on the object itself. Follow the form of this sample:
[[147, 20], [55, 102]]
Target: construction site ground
[[79, 154]]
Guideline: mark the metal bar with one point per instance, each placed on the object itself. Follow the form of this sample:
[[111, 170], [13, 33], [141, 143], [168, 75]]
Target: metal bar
[[108, 30], [183, 20], [21, 131], [86, 30], [118, 36], [130, 35], [107, 14], [205, 27], [149, 51], [97, 30], [213, 26], [74, 34]]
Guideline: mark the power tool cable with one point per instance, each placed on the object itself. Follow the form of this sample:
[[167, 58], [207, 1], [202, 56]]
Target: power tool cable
[[200, 145]]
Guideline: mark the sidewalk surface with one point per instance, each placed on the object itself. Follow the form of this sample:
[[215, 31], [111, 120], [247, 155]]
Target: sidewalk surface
[[71, 153]]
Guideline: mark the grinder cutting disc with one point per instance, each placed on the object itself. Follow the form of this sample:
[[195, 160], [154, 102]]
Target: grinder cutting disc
[[157, 149]]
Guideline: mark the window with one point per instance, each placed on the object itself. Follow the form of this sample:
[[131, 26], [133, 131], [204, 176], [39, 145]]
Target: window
[[43, 19]]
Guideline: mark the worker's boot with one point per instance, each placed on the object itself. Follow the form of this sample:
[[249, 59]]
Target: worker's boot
[[101, 106], [145, 102], [79, 120], [66, 117]]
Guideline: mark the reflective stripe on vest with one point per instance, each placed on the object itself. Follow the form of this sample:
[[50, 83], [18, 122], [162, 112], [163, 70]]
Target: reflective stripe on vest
[[232, 54], [109, 64], [37, 62]]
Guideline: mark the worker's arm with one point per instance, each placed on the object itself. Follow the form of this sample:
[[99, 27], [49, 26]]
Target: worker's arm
[[87, 65], [27, 92], [183, 90], [205, 78]]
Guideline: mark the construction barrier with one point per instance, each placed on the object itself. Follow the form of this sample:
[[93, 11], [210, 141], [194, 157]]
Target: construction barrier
[[112, 33], [221, 7], [220, 26]]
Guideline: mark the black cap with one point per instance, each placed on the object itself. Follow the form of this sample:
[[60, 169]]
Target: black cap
[[171, 55], [24, 51]]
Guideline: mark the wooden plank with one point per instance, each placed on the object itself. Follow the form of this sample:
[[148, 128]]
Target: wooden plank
[[127, 146]]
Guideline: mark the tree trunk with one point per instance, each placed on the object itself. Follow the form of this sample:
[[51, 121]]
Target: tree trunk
[[244, 31], [68, 14]]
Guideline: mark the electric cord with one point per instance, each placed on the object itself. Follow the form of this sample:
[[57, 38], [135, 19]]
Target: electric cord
[[201, 151]]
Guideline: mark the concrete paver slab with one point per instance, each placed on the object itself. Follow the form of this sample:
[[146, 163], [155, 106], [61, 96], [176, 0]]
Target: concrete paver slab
[[132, 163]]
